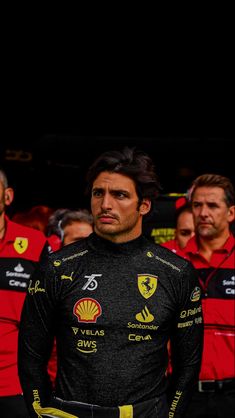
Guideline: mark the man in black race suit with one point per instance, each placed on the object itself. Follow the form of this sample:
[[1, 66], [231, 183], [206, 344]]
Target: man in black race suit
[[113, 300]]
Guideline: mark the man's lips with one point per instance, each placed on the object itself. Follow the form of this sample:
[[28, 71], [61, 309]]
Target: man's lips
[[106, 218]]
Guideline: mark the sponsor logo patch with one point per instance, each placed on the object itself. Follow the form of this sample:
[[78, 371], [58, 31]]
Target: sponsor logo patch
[[147, 284], [195, 295], [65, 277], [21, 245], [91, 283], [87, 310], [144, 315]]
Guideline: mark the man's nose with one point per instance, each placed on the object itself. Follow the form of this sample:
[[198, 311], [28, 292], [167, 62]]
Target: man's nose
[[106, 202], [204, 211]]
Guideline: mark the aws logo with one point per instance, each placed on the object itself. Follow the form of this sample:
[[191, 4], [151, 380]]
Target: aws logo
[[86, 346]]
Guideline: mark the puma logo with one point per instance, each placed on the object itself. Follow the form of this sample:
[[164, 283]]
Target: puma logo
[[64, 277]]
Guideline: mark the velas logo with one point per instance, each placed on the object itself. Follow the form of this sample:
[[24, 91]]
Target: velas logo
[[147, 284], [21, 244], [87, 310]]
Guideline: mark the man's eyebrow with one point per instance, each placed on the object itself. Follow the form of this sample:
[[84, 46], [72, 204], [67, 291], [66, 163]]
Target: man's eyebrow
[[100, 189]]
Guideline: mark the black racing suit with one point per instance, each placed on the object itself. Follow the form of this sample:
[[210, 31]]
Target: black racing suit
[[113, 308]]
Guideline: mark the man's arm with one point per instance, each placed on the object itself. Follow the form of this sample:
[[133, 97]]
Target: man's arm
[[186, 343], [36, 335]]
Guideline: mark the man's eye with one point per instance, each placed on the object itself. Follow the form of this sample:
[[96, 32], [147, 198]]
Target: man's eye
[[185, 233], [96, 193], [120, 195]]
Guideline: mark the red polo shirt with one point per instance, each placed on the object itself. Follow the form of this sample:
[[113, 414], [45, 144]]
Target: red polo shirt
[[20, 250], [217, 280]]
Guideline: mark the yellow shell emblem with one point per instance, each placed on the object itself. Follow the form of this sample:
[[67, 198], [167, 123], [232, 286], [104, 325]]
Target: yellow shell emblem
[[147, 284], [21, 245], [87, 310]]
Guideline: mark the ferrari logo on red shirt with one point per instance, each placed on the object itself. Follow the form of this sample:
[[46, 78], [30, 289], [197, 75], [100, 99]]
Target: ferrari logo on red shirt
[[21, 244]]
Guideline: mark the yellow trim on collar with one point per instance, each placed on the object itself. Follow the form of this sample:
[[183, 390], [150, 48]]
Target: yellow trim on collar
[[126, 411]]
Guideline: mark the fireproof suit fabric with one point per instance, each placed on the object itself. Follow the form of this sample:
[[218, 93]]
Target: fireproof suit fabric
[[20, 250], [113, 308]]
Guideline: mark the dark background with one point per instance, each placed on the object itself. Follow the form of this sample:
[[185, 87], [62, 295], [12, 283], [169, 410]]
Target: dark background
[[48, 167]]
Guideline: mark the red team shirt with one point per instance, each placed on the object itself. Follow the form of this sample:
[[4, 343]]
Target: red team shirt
[[174, 247], [20, 250], [217, 280]]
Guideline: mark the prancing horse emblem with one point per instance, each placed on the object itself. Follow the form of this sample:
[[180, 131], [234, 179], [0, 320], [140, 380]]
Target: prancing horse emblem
[[147, 284], [21, 244]]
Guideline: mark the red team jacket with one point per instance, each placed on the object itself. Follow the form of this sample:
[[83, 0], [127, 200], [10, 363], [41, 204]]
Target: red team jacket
[[217, 280], [20, 250]]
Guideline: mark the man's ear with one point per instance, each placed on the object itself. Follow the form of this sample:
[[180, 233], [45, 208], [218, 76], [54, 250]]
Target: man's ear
[[231, 214], [145, 206], [9, 196]]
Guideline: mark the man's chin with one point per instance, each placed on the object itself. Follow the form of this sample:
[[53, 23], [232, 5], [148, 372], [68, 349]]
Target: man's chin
[[205, 232], [106, 229]]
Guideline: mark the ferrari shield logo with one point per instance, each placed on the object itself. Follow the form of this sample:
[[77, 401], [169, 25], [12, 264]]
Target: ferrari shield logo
[[147, 284], [21, 244]]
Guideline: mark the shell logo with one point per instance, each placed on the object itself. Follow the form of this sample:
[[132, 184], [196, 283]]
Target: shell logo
[[87, 310], [195, 295]]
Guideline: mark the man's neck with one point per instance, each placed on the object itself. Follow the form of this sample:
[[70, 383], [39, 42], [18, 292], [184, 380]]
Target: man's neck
[[208, 246]]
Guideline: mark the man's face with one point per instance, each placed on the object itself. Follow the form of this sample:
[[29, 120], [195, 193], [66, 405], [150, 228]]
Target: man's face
[[75, 231], [184, 228], [6, 197], [210, 212], [114, 206]]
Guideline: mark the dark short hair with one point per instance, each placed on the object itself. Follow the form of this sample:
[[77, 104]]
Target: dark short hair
[[80, 215], [132, 163], [182, 209], [215, 180], [3, 178]]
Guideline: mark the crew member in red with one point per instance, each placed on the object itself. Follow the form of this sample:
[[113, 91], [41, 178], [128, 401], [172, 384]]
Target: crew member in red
[[20, 250], [211, 251], [184, 228]]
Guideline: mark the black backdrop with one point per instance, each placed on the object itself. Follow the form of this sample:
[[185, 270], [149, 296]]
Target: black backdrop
[[49, 167]]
